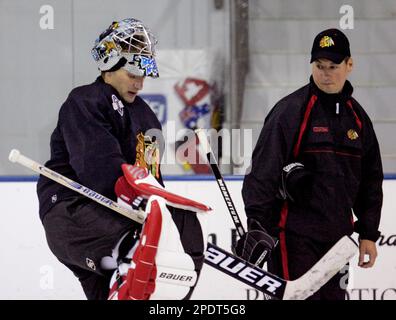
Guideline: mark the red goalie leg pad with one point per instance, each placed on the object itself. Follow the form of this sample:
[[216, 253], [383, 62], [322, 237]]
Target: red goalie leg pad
[[119, 290], [140, 281]]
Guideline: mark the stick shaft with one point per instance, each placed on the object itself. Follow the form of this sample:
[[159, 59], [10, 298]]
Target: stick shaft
[[220, 181], [17, 157], [224, 190]]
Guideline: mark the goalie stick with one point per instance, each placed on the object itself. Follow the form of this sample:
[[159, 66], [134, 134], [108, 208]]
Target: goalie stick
[[220, 181], [224, 190], [333, 261]]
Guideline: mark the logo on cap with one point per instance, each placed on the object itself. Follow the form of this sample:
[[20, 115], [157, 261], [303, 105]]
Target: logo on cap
[[326, 41]]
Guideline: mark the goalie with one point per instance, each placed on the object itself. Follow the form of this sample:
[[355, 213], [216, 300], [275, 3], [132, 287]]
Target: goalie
[[102, 126], [315, 168]]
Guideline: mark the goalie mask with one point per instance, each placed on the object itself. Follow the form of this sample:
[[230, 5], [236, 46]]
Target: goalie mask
[[128, 44]]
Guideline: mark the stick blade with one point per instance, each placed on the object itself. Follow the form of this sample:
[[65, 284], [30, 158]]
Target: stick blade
[[328, 266]]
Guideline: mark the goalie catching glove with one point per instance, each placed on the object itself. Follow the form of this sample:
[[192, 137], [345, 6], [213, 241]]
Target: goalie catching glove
[[255, 245]]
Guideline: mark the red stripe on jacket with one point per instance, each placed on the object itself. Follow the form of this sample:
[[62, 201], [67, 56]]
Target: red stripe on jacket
[[285, 210], [303, 126]]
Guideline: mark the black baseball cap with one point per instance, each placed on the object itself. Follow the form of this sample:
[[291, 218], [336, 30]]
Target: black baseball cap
[[331, 44]]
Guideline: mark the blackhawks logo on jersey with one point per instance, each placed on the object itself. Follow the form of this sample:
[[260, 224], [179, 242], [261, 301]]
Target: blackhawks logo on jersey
[[147, 154]]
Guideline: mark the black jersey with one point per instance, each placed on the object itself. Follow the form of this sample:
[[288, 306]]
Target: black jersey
[[96, 133], [334, 138]]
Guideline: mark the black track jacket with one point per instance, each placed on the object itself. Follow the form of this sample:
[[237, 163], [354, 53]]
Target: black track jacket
[[338, 146]]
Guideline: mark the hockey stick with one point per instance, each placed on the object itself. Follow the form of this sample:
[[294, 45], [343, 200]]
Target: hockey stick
[[334, 260], [224, 190]]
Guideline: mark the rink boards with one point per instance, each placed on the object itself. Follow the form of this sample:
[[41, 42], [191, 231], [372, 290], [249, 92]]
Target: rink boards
[[32, 272]]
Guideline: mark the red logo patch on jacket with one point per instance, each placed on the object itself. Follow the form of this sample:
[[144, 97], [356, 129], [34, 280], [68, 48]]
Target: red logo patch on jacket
[[320, 129]]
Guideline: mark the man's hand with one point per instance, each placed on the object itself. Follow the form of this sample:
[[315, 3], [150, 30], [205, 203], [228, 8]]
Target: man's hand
[[367, 247], [255, 245]]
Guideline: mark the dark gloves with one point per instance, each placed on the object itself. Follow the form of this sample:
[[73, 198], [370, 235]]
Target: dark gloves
[[255, 245], [296, 184]]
